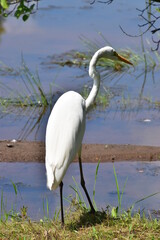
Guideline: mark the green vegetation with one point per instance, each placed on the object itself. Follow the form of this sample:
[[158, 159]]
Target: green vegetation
[[103, 98], [146, 62], [82, 58], [117, 211], [31, 93], [83, 225], [28, 97], [79, 196], [79, 222], [20, 8]]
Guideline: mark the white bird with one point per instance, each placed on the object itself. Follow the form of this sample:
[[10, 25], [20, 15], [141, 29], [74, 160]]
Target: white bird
[[66, 127]]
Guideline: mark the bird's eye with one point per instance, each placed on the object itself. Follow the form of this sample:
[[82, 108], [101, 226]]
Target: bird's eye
[[114, 53]]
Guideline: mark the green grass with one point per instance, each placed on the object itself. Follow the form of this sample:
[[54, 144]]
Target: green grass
[[79, 222], [83, 225], [79, 200], [116, 211]]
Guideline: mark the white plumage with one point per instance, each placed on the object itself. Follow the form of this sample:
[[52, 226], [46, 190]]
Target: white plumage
[[66, 126], [64, 133]]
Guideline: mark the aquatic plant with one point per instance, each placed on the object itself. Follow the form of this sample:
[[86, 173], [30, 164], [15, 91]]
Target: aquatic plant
[[111, 72], [80, 224], [75, 58], [27, 98], [46, 209], [31, 94], [81, 59], [28, 91], [6, 70], [30, 99], [94, 188], [79, 200], [103, 98], [5, 214], [116, 211]]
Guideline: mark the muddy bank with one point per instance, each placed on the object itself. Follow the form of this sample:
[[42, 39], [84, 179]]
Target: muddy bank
[[35, 152]]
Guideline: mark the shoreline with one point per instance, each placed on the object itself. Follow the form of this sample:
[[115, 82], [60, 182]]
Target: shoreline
[[26, 151]]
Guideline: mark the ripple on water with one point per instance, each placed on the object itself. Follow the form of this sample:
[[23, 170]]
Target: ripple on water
[[30, 180]]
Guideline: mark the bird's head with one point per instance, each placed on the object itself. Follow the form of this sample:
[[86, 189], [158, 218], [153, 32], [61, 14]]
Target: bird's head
[[105, 52], [110, 53]]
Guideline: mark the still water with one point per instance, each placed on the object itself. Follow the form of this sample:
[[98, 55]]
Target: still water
[[56, 28], [142, 180], [52, 31]]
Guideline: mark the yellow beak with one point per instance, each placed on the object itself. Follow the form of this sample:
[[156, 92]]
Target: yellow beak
[[122, 59]]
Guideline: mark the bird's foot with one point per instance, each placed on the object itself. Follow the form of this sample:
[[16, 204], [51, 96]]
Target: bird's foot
[[92, 211], [62, 224]]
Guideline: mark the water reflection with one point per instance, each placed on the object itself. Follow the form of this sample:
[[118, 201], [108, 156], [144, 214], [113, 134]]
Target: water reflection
[[143, 180], [118, 123]]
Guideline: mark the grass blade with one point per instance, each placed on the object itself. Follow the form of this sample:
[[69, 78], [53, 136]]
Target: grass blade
[[15, 187], [79, 193], [116, 179], [96, 173]]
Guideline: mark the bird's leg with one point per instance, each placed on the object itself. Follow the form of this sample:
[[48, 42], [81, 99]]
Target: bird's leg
[[61, 202], [83, 184]]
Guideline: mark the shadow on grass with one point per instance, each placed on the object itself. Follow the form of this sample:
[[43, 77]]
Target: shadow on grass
[[87, 219]]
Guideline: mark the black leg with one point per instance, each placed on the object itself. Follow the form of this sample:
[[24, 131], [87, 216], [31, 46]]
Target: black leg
[[83, 184], [61, 202]]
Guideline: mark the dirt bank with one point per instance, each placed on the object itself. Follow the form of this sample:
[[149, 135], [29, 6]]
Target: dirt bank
[[35, 152]]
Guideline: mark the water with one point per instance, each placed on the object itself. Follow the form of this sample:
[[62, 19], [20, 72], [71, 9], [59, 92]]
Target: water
[[143, 180], [52, 31]]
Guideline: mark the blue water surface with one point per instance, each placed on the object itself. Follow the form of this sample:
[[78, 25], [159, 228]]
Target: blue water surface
[[142, 180]]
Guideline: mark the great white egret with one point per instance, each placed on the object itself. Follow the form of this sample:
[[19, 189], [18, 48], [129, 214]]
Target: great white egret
[[66, 127]]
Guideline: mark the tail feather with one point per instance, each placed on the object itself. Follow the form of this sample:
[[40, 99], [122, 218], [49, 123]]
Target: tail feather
[[50, 176]]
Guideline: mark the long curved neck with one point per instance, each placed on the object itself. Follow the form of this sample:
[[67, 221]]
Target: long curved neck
[[93, 73]]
